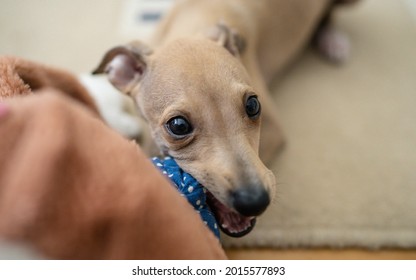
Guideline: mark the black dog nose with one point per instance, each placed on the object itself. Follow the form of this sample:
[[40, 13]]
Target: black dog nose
[[250, 201]]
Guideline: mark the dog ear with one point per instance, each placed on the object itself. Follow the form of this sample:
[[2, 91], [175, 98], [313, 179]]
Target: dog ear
[[125, 65], [228, 38]]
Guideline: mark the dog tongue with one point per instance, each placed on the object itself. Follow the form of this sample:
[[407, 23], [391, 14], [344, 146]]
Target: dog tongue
[[230, 222]]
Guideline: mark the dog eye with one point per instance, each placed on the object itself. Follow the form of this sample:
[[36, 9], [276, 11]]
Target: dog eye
[[253, 107], [179, 126]]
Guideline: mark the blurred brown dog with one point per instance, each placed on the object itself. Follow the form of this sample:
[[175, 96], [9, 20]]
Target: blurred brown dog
[[23, 77]]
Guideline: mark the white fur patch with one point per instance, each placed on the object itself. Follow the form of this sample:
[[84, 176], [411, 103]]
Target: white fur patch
[[117, 109]]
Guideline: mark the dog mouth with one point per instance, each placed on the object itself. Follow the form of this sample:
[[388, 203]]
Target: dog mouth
[[229, 221]]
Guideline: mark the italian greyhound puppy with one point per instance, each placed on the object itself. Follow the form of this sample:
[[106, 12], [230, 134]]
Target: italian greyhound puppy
[[202, 87]]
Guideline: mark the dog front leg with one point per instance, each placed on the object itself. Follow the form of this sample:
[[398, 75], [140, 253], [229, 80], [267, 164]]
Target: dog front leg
[[271, 135]]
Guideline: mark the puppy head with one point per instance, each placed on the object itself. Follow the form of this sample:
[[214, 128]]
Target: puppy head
[[197, 98]]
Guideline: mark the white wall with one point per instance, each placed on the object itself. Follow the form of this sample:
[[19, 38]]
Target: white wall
[[70, 34]]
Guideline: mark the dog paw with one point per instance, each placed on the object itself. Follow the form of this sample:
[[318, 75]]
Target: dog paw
[[333, 44]]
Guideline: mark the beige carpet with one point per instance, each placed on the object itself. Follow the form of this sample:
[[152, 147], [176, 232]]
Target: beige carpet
[[348, 174]]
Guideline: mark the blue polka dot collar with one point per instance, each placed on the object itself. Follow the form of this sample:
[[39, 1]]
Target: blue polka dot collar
[[189, 188]]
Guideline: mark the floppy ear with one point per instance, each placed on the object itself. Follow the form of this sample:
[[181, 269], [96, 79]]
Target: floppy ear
[[228, 38], [125, 65]]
